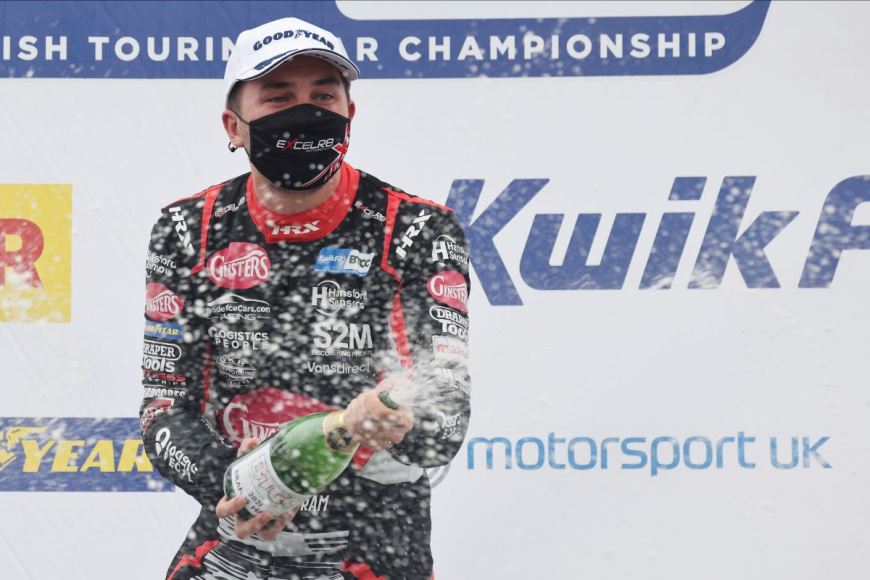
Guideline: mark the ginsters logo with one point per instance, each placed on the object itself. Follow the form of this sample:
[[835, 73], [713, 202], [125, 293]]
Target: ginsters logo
[[449, 287], [261, 413], [75, 454], [240, 265], [161, 303]]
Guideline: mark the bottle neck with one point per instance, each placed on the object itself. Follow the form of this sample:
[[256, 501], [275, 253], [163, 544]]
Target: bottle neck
[[337, 437]]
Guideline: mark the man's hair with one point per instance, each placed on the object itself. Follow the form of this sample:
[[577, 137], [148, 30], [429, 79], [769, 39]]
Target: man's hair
[[233, 98]]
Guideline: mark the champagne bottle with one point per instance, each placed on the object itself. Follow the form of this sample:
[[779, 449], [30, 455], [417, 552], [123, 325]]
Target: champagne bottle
[[300, 460]]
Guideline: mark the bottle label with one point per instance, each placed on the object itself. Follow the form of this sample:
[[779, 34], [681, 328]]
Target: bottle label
[[254, 477]]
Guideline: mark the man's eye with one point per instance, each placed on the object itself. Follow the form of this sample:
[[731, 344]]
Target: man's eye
[[277, 99], [324, 97]]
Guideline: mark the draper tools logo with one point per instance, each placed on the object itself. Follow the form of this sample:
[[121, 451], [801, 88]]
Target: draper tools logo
[[35, 248], [193, 40], [75, 454]]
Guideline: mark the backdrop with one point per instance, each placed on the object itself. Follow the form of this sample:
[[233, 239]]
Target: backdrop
[[666, 208]]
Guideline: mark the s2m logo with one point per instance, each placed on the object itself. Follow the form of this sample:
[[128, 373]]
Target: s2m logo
[[35, 248]]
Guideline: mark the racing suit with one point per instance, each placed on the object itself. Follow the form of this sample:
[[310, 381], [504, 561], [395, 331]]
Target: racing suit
[[254, 319]]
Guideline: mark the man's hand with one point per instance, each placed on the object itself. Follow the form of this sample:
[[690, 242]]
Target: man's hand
[[263, 523], [375, 425]]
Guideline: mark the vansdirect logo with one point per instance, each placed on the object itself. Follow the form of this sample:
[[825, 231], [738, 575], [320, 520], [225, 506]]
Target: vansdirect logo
[[110, 39], [75, 454], [655, 456], [728, 238]]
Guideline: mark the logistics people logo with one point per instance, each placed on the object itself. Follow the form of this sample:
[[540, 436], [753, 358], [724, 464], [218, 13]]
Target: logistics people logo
[[35, 248]]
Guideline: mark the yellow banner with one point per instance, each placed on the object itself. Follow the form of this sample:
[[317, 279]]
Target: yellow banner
[[35, 252]]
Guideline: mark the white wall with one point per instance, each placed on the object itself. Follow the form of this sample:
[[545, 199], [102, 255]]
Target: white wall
[[768, 362]]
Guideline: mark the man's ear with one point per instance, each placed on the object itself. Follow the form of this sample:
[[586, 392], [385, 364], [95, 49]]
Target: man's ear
[[351, 110], [232, 126]]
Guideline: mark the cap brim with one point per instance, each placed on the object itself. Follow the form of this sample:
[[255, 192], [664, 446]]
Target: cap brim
[[345, 66]]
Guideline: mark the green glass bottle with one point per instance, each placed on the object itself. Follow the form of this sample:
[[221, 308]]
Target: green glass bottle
[[300, 460]]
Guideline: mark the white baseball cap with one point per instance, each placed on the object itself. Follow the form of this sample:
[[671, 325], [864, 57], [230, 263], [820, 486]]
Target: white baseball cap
[[259, 50]]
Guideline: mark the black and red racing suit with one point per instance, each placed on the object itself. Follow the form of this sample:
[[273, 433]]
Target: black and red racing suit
[[254, 319]]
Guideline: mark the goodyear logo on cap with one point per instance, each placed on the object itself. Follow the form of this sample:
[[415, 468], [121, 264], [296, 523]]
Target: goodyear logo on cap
[[75, 454]]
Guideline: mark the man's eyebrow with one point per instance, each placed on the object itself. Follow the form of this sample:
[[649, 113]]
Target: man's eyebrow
[[276, 84], [327, 81], [331, 80]]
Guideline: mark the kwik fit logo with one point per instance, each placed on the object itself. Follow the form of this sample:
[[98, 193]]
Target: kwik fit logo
[[728, 238]]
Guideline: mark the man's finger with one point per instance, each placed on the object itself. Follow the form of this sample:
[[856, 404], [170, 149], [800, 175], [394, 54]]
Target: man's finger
[[247, 445], [227, 507], [252, 526], [271, 531]]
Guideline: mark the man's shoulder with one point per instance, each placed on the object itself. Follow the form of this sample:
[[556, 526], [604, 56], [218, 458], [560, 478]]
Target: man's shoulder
[[197, 200], [397, 193], [179, 228]]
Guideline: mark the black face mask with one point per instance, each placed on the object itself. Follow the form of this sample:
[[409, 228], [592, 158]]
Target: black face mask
[[299, 148]]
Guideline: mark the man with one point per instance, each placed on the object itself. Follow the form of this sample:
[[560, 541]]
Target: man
[[301, 287]]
